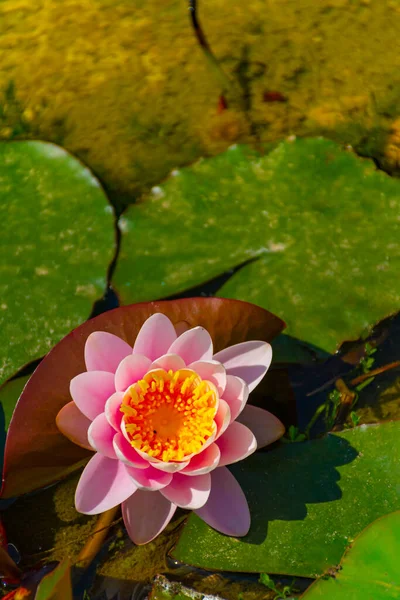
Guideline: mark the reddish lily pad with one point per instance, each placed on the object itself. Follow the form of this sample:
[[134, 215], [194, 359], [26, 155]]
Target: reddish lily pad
[[36, 453]]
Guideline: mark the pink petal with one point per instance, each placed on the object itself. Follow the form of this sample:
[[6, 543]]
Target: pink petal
[[167, 467], [194, 344], [211, 371], [222, 418], [236, 443], [91, 391], [130, 370], [101, 435], [112, 410], [127, 453], [204, 462], [126, 435], [236, 395], [104, 483], [149, 479], [188, 492], [146, 514], [248, 360], [155, 337], [265, 426], [169, 362], [227, 510], [74, 425], [104, 351]]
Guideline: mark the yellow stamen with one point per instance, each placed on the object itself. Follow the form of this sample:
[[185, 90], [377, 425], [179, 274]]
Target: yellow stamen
[[170, 415]]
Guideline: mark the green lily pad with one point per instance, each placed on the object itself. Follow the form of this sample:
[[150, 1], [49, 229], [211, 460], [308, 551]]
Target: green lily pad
[[287, 349], [370, 567], [9, 394], [307, 500], [56, 244], [322, 223]]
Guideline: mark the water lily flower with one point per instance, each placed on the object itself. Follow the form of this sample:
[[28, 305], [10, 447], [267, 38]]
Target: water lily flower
[[165, 418]]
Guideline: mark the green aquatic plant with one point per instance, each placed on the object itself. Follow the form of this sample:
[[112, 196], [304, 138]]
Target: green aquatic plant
[[281, 594]]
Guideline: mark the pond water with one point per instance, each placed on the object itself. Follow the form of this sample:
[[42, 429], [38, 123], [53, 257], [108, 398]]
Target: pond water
[[247, 151]]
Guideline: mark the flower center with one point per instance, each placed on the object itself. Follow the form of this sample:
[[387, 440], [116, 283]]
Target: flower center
[[169, 415]]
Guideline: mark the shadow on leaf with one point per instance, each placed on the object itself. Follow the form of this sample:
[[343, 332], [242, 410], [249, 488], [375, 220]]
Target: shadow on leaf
[[302, 474]]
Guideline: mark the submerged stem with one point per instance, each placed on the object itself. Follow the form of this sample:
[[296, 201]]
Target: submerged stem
[[375, 372]]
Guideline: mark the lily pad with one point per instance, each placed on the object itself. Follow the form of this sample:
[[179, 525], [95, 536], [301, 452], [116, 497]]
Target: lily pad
[[370, 567], [36, 453], [55, 246], [289, 350], [322, 224], [9, 394], [307, 500]]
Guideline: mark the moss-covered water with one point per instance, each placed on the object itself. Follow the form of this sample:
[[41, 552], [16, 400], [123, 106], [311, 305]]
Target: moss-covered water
[[125, 86], [45, 527]]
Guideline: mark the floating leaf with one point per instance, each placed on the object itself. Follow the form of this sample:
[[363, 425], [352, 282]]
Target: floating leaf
[[9, 394], [287, 349], [321, 222], [370, 567], [307, 500], [55, 246], [57, 584], [36, 453]]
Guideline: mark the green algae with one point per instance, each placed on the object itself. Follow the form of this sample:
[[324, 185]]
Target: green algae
[[55, 529], [218, 585], [58, 531], [141, 563], [211, 587], [379, 402], [125, 86]]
